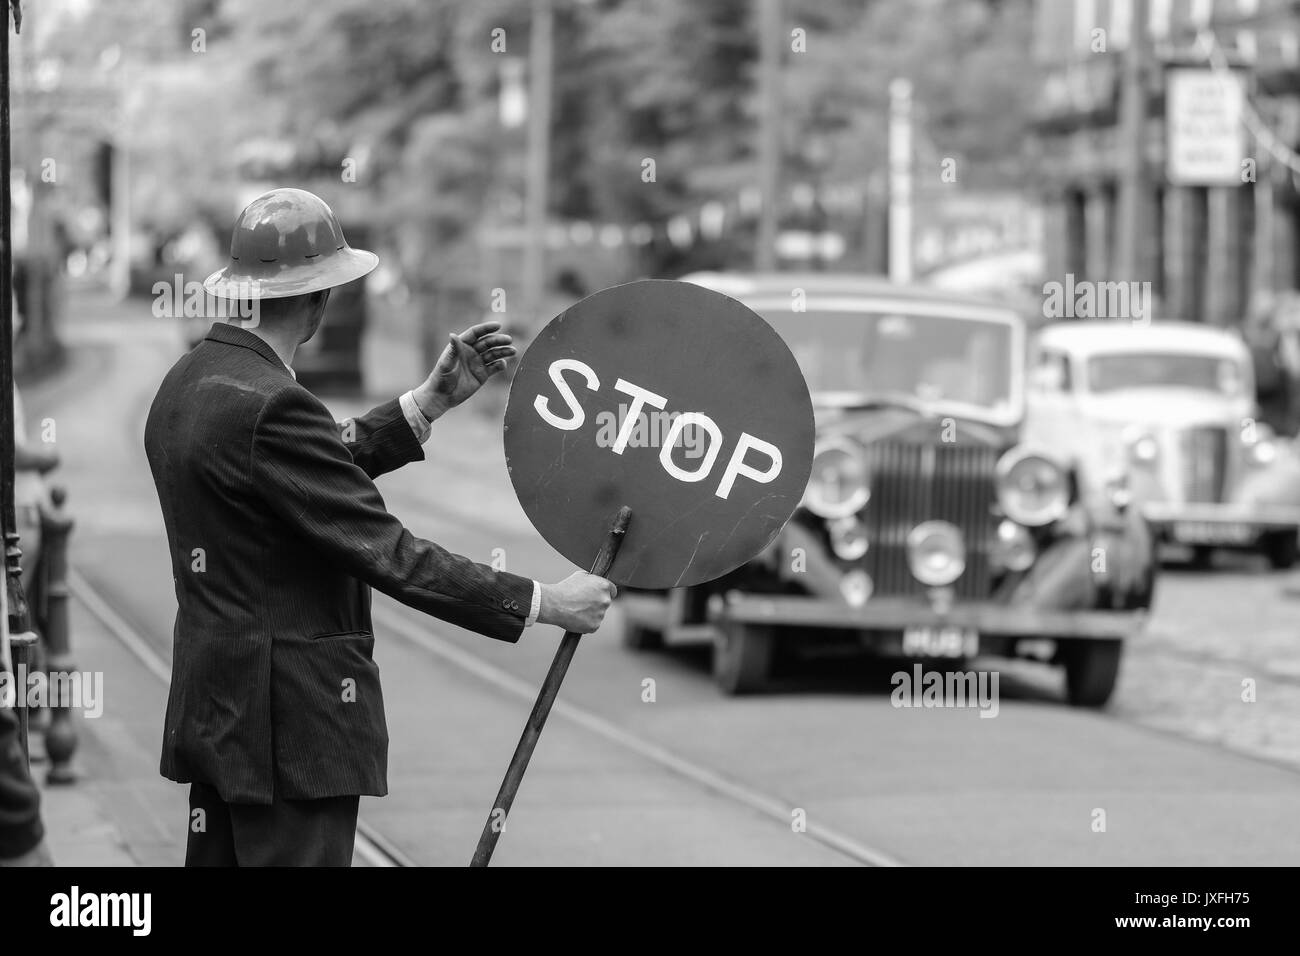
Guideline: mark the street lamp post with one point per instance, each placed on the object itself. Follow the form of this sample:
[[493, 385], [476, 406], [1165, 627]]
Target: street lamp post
[[900, 180], [1130, 256], [769, 131], [541, 54]]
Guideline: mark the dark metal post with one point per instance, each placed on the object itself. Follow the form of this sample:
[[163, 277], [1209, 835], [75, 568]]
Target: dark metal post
[[21, 640], [61, 735]]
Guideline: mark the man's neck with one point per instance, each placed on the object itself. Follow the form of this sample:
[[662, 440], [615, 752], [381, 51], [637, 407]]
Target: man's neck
[[284, 341]]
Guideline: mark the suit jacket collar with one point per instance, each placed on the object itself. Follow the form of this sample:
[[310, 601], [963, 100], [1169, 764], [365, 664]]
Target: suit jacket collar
[[228, 334]]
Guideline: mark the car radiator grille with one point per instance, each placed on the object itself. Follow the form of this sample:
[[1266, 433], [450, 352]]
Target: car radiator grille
[[1205, 453], [911, 483]]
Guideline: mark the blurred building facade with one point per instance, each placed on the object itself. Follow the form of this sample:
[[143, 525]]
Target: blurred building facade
[[1213, 249], [86, 78]]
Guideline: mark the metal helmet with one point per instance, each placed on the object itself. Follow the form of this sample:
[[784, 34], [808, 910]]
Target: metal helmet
[[287, 242]]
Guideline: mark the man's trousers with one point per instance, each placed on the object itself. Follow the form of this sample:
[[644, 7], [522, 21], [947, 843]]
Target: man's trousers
[[282, 833]]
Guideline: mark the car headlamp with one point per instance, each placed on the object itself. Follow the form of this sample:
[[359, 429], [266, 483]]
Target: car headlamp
[[1014, 548], [936, 553], [1142, 446], [1032, 489], [838, 486], [848, 538], [1261, 446], [1263, 452]]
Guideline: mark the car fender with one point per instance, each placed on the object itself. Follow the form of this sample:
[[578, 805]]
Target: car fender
[[1275, 484], [1103, 561], [800, 558], [1123, 558], [1059, 579]]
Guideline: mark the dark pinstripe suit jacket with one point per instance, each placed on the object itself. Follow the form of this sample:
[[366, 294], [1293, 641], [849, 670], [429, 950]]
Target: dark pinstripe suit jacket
[[277, 533]]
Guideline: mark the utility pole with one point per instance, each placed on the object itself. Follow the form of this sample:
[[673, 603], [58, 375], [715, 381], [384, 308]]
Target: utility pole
[[541, 53], [1131, 229], [120, 192], [770, 37], [900, 180]]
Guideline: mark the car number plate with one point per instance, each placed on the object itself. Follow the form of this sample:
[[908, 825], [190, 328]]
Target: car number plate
[[1211, 532], [946, 641]]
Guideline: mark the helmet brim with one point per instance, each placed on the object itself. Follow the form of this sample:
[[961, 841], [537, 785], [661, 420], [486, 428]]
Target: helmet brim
[[344, 266]]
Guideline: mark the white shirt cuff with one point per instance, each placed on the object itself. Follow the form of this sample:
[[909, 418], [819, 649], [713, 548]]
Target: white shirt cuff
[[414, 417], [536, 607]]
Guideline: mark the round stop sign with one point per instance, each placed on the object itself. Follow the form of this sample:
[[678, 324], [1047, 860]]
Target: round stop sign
[[674, 400]]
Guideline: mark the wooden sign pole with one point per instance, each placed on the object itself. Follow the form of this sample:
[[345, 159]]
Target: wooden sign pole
[[487, 841]]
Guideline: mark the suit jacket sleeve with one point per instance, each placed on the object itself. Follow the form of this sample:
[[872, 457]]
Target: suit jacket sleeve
[[20, 816], [381, 440], [303, 471]]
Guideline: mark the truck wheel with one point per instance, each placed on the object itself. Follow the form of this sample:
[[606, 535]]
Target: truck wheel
[[1091, 668], [742, 657], [638, 637], [1281, 547]]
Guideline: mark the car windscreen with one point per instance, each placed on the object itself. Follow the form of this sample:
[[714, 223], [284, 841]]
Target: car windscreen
[[1212, 373], [932, 359]]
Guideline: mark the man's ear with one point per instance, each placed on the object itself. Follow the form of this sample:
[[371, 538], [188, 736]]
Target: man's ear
[[316, 302]]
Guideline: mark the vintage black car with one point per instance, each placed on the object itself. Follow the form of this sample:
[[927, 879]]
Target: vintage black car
[[927, 530]]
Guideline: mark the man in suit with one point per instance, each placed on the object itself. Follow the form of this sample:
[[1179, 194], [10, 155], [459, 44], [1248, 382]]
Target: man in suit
[[277, 533]]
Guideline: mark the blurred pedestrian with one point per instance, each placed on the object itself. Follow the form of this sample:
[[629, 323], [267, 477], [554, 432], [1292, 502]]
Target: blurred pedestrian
[[1272, 332], [277, 532]]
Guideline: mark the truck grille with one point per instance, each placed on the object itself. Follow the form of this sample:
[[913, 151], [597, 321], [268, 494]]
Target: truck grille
[[911, 483], [1205, 454]]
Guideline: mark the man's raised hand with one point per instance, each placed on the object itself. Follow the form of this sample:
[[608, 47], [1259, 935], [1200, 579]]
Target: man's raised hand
[[470, 359]]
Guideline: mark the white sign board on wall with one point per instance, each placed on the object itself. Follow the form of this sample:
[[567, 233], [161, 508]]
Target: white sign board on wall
[[1205, 138]]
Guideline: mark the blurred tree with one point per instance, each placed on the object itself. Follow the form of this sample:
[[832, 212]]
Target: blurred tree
[[672, 81], [675, 82], [668, 82]]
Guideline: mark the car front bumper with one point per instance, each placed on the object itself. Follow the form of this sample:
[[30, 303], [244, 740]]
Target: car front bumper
[[1228, 525], [898, 614]]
